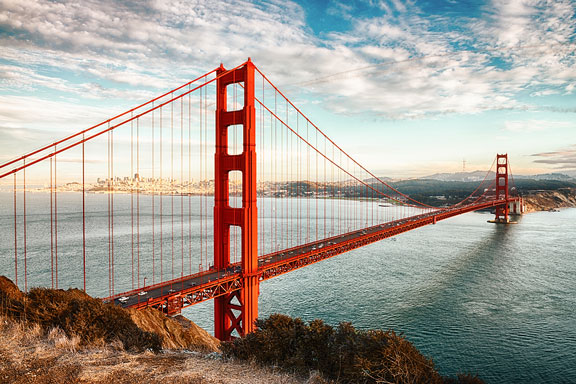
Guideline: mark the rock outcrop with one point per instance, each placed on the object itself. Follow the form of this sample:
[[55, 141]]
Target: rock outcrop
[[550, 200], [177, 332]]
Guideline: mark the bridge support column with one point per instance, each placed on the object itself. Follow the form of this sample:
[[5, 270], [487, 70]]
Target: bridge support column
[[502, 211], [517, 207], [235, 313]]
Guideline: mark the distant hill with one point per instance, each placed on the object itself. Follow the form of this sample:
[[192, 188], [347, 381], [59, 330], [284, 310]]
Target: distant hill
[[460, 176], [441, 192], [479, 176], [383, 178], [547, 176]]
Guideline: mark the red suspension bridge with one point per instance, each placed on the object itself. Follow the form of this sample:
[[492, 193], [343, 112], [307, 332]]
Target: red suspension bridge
[[143, 202]]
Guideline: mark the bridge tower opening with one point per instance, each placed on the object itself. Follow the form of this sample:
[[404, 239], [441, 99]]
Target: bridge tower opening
[[502, 192], [236, 312]]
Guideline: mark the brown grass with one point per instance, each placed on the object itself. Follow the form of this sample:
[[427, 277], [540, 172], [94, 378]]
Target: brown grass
[[30, 355], [77, 315], [92, 322], [175, 332], [60, 337]]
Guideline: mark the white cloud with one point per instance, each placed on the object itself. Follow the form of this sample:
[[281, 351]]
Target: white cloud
[[564, 158], [16, 110], [524, 126], [395, 65]]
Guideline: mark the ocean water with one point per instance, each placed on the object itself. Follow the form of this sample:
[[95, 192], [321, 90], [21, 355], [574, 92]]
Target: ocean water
[[497, 301]]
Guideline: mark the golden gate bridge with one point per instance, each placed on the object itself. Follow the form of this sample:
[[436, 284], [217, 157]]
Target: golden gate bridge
[[202, 193]]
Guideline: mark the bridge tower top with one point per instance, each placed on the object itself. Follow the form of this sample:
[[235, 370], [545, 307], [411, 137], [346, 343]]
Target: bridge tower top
[[502, 192]]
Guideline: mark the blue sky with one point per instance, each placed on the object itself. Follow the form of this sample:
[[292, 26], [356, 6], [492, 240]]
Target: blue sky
[[408, 87]]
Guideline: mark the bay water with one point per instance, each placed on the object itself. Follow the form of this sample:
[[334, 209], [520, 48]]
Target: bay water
[[494, 300]]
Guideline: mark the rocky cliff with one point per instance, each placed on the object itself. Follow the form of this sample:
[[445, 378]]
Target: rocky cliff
[[550, 200]]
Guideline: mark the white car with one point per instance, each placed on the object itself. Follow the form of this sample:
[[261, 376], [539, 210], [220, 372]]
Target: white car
[[142, 293], [123, 299]]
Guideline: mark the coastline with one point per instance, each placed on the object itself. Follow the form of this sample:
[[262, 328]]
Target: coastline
[[536, 201]]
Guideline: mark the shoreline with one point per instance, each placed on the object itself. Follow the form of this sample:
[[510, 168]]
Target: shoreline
[[534, 201], [539, 201]]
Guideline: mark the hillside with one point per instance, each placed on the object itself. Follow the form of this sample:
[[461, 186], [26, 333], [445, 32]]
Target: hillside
[[549, 200], [30, 355], [438, 193], [58, 336]]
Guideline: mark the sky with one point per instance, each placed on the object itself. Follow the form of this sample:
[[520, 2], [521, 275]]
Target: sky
[[409, 88]]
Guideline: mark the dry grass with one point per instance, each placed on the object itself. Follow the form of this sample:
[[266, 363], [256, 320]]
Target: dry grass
[[30, 355], [89, 321], [77, 314], [59, 337]]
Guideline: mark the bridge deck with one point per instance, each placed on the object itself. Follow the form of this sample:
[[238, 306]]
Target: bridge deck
[[193, 289]]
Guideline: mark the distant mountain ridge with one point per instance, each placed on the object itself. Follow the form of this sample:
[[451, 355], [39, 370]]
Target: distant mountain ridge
[[460, 176], [480, 175]]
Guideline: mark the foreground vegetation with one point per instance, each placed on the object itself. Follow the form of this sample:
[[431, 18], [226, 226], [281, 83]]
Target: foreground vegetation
[[30, 355], [65, 336], [342, 354], [57, 336], [77, 315]]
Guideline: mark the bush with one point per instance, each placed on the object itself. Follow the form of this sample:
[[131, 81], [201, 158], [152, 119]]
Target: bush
[[342, 353]]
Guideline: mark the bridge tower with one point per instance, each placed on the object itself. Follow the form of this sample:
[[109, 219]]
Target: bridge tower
[[503, 211], [236, 311]]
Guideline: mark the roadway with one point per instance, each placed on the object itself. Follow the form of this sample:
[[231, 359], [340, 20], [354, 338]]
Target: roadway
[[209, 284]]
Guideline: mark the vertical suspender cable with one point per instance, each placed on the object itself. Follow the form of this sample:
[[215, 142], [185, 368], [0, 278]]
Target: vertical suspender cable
[[109, 194], [181, 184], [153, 199], [201, 182], [112, 204], [172, 180], [162, 192], [15, 236], [83, 215], [189, 181], [138, 201], [132, 193], [55, 219], [51, 229], [25, 237]]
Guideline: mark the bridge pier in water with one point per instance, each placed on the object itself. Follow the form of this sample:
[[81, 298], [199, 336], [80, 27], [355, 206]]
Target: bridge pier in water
[[514, 207]]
